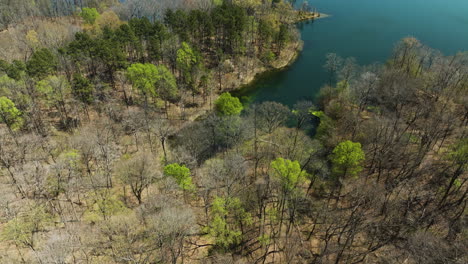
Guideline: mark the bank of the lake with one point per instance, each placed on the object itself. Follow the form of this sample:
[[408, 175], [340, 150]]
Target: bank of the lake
[[366, 30]]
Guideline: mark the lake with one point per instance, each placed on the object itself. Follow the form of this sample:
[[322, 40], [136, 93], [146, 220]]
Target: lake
[[367, 30]]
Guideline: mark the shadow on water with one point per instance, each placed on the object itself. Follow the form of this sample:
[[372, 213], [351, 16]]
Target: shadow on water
[[250, 93], [247, 92]]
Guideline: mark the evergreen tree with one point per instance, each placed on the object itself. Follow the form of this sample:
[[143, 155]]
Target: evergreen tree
[[82, 89], [42, 63]]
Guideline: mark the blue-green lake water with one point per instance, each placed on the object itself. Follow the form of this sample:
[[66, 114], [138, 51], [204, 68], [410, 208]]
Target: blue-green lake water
[[367, 30]]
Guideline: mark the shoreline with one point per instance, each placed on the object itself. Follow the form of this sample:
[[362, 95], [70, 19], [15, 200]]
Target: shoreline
[[307, 16], [246, 81], [241, 91], [240, 83]]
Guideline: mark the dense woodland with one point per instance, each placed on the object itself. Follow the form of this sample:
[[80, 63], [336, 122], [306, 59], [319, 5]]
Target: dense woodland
[[120, 141]]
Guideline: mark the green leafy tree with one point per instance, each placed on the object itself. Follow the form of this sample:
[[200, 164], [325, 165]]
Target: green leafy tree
[[42, 63], [191, 67], [325, 126], [21, 229], [143, 77], [187, 59], [347, 158], [153, 80], [9, 114], [288, 172], [227, 105], [55, 90], [103, 205], [166, 85], [89, 15], [290, 175], [181, 174], [228, 220], [265, 34]]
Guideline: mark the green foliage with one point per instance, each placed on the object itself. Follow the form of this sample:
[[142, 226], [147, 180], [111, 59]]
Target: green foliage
[[8, 86], [266, 30], [71, 158], [177, 22], [325, 126], [15, 70], [264, 240], [89, 15], [347, 158], [20, 230], [283, 35], [227, 216], [55, 89], [166, 84], [227, 105], [342, 85], [233, 19], [143, 77], [70, 162], [110, 52], [288, 172], [186, 58], [9, 114], [82, 47], [83, 89], [156, 39], [217, 2], [103, 206], [459, 153], [181, 174], [3, 65], [151, 79], [190, 65], [42, 63], [268, 56]]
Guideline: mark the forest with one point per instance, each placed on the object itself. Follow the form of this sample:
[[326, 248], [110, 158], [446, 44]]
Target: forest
[[122, 141]]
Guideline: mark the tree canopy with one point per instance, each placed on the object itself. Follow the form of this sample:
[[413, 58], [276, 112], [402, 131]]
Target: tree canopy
[[227, 105], [9, 114], [181, 174], [42, 63], [347, 158], [89, 15], [153, 80], [288, 172]]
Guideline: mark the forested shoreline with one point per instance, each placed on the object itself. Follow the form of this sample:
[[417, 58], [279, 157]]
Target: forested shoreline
[[120, 142]]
